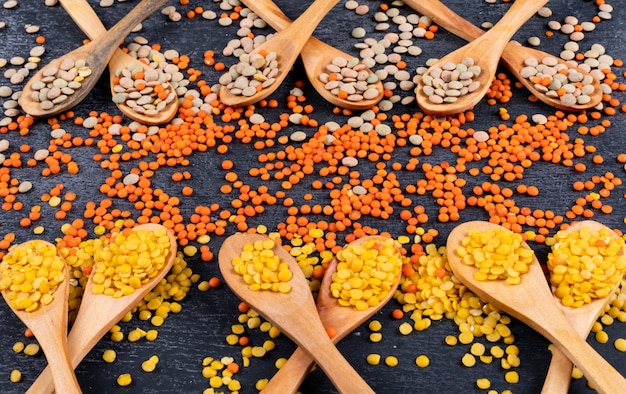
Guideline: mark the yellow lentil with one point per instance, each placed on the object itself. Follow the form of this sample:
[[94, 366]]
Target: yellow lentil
[[496, 351], [15, 376], [129, 261], [204, 285], [216, 382], [29, 275], [117, 336], [261, 268], [373, 359], [483, 383], [391, 361], [148, 365], [260, 384], [234, 385], [486, 359], [422, 361], [602, 337], [405, 328], [468, 360], [577, 373], [375, 325], [365, 273], [18, 347], [585, 265], [376, 337], [32, 349], [477, 349], [151, 335], [124, 379], [498, 254], [280, 362], [109, 355], [620, 344], [451, 340], [511, 377]]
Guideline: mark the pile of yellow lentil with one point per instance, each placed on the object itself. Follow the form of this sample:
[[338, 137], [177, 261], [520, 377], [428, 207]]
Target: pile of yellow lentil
[[318, 178], [261, 268]]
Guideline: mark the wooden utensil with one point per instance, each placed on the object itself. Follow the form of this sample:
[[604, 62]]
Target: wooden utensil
[[513, 55], [343, 319], [582, 319], [315, 55], [98, 313], [287, 44], [531, 302], [49, 325], [485, 51], [96, 53], [293, 313], [88, 21]]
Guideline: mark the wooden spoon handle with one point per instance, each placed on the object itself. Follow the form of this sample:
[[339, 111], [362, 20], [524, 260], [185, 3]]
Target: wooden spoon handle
[[62, 378], [270, 12], [85, 17], [291, 375], [559, 374]]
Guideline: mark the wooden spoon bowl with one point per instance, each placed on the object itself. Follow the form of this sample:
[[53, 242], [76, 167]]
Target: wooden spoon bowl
[[315, 55], [513, 55], [287, 44], [99, 312], [294, 313], [531, 302], [343, 319], [96, 53], [485, 51], [582, 319], [48, 324]]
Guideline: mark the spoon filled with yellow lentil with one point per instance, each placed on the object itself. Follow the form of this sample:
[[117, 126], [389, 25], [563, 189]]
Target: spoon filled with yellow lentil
[[264, 275], [498, 266], [586, 265], [34, 282], [358, 282], [136, 259]]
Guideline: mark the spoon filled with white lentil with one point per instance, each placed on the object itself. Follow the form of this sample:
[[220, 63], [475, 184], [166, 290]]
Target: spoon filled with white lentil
[[142, 92], [34, 282], [259, 73], [569, 88], [498, 266], [264, 275], [338, 77], [460, 79], [67, 80], [103, 305]]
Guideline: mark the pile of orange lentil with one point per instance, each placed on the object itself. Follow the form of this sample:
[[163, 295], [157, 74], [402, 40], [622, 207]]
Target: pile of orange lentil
[[316, 177]]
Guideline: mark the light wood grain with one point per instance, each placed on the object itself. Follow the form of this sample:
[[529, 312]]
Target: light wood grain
[[532, 302], [486, 51], [513, 55], [343, 319], [49, 325], [315, 55], [96, 53], [294, 313], [98, 313], [287, 44], [582, 319]]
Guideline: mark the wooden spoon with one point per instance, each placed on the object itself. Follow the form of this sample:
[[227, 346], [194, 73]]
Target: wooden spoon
[[293, 313], [49, 325], [343, 319], [98, 313], [485, 51], [315, 55], [85, 17], [96, 53], [287, 44], [531, 302], [513, 55], [582, 319]]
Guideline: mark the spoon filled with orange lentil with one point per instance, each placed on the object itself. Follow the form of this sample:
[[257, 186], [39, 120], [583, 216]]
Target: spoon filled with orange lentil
[[141, 92], [460, 79], [359, 281], [137, 259], [264, 275], [67, 80], [261, 72], [341, 79], [586, 264], [573, 89], [498, 266], [34, 282]]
